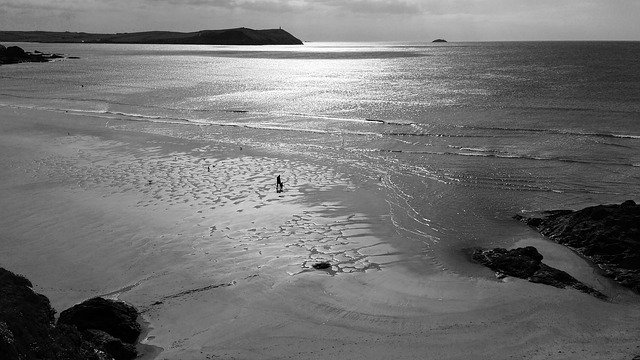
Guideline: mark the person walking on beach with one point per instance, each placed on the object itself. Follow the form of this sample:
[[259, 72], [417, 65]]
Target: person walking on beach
[[279, 185]]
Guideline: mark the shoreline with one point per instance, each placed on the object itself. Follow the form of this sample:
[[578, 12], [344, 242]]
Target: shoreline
[[112, 201]]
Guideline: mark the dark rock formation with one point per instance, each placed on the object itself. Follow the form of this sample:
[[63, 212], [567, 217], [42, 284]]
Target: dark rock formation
[[15, 54], [111, 345], [439, 41], [321, 266], [237, 36], [608, 235], [521, 263], [25, 317], [113, 317], [526, 263], [27, 325], [28, 330]]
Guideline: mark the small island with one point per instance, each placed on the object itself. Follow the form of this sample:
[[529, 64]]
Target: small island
[[237, 36], [439, 41]]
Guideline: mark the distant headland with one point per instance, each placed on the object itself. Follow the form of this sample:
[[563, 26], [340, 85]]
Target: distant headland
[[237, 36]]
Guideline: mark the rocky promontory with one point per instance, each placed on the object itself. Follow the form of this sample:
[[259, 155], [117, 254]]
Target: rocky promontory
[[526, 263], [236, 36], [15, 54], [608, 235], [97, 329]]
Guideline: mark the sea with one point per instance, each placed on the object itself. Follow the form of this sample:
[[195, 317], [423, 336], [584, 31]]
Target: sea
[[459, 136]]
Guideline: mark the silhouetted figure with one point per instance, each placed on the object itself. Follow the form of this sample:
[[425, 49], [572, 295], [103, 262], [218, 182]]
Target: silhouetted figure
[[279, 185]]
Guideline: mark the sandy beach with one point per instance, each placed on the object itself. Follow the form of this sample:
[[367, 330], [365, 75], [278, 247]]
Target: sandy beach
[[193, 233]]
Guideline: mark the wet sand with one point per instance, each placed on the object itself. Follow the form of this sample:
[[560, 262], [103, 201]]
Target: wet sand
[[193, 233]]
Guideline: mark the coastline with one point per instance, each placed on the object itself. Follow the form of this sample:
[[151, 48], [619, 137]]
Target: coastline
[[215, 261], [235, 36]]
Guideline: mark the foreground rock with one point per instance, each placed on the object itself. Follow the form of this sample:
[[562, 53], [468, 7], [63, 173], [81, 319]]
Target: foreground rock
[[15, 54], [526, 263], [28, 329], [608, 235]]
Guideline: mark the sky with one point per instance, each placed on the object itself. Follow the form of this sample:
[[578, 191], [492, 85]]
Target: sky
[[341, 20]]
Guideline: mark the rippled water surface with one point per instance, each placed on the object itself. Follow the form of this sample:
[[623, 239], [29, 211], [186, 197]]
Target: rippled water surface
[[461, 136]]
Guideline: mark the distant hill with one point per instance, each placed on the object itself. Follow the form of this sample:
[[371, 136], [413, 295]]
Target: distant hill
[[238, 36]]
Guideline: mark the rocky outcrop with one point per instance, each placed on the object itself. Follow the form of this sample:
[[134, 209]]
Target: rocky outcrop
[[112, 317], [526, 263], [321, 266], [28, 329], [15, 54], [236, 36], [608, 235]]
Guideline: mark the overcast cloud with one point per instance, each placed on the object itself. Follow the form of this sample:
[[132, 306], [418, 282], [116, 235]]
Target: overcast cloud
[[326, 20]]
